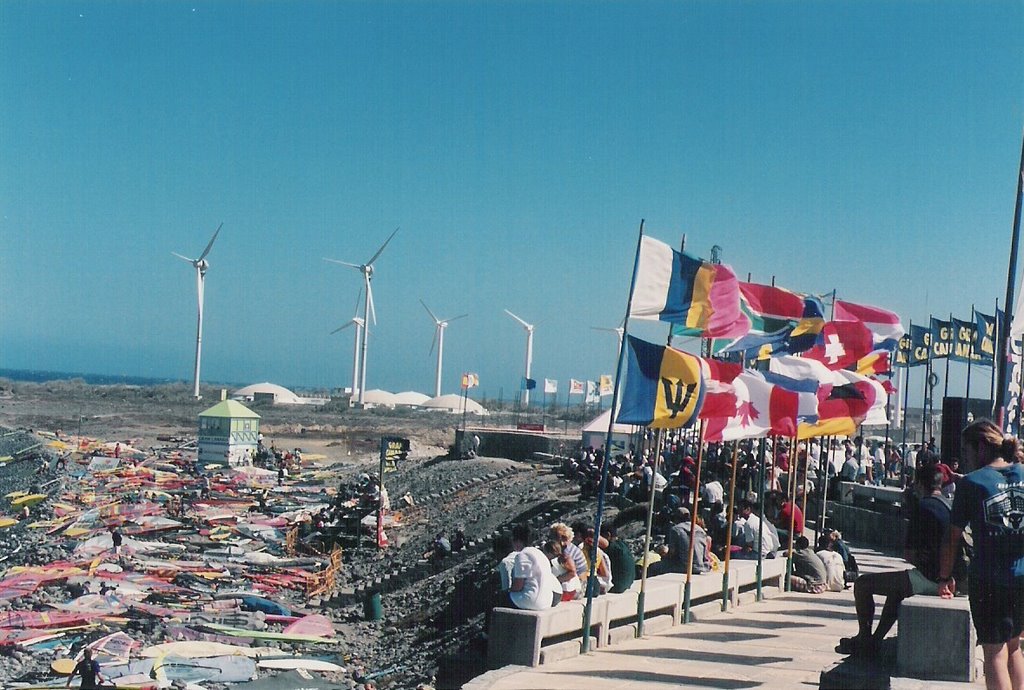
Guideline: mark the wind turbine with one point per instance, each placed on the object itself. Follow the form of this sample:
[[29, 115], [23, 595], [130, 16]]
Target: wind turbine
[[440, 324], [368, 310], [529, 353], [355, 348], [201, 265], [619, 332]]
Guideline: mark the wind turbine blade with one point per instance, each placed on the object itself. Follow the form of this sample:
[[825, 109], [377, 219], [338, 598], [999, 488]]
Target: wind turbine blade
[[373, 310], [433, 342], [210, 245], [525, 325], [344, 263], [599, 328], [341, 328], [359, 298], [460, 316], [183, 258], [379, 251], [432, 315]]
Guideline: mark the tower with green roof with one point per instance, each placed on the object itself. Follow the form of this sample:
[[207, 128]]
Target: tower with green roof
[[228, 431]]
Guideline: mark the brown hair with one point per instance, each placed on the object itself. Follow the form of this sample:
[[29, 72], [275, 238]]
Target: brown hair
[[985, 436]]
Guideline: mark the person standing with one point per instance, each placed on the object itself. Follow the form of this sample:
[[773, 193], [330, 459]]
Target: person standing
[[991, 501], [88, 669]]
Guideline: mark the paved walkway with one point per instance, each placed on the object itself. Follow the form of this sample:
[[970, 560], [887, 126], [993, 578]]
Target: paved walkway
[[782, 642]]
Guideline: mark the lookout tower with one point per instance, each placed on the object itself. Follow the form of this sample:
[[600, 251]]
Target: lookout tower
[[227, 432]]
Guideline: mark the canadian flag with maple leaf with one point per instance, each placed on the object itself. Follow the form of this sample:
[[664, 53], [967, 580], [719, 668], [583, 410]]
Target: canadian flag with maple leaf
[[740, 403]]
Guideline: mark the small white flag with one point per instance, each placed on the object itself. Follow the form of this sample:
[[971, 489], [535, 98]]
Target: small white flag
[[550, 386]]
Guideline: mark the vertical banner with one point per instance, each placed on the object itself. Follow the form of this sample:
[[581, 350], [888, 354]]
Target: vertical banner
[[985, 334], [964, 333], [942, 338], [920, 345], [901, 357], [1012, 423]]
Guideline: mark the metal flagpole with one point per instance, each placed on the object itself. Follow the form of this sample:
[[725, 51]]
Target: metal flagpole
[[927, 388], [647, 539], [803, 509], [970, 354], [728, 538], [945, 384], [693, 523], [792, 517], [588, 610], [1004, 343], [827, 465], [995, 365], [760, 528]]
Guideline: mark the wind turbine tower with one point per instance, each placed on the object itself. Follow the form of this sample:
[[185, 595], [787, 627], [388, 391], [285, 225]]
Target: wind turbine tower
[[440, 325], [358, 322], [619, 332], [368, 310], [529, 353], [201, 265]]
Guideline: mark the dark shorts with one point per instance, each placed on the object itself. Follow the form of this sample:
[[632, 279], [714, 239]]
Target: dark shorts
[[998, 611]]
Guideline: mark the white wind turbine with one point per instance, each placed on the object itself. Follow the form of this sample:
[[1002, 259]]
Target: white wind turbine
[[619, 332], [529, 353], [355, 348], [440, 325], [369, 313], [201, 265]]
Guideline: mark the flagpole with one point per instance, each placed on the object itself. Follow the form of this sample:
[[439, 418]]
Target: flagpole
[[760, 527], [1004, 343], [827, 465], [945, 384], [792, 514], [640, 602], [970, 354], [728, 538], [906, 402], [693, 523], [588, 610], [995, 362], [927, 376]]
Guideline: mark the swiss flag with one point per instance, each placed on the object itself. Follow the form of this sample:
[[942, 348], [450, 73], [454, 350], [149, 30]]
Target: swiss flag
[[841, 344]]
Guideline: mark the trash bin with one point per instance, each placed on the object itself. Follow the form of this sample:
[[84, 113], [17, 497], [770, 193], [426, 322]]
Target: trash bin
[[373, 609]]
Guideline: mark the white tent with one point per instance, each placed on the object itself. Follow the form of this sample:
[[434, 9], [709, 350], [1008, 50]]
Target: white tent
[[280, 394], [410, 399], [453, 403], [379, 397]]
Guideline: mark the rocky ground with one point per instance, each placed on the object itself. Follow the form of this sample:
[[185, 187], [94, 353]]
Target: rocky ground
[[433, 624]]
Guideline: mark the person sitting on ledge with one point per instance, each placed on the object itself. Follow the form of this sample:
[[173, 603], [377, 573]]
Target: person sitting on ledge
[[925, 534]]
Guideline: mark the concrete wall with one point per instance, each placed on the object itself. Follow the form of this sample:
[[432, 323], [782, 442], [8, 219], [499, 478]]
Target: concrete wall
[[517, 445], [868, 527]]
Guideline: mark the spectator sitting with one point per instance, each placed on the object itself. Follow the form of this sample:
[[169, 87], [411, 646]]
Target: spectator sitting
[[563, 569], [534, 586], [623, 565], [809, 572], [676, 554], [563, 534], [502, 549], [834, 566]]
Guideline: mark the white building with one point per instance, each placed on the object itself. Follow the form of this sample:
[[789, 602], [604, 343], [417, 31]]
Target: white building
[[228, 431]]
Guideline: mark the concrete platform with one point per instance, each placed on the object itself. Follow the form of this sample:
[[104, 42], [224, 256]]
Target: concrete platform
[[784, 642]]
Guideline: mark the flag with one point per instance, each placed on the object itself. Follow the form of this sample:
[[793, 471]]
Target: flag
[[964, 335], [805, 334], [874, 363], [942, 338], [771, 308], [902, 354], [747, 406], [664, 388], [840, 344], [605, 386], [575, 387], [844, 407], [884, 325], [528, 384], [806, 391], [920, 345], [985, 342], [550, 386], [727, 319], [592, 395], [470, 380], [682, 289]]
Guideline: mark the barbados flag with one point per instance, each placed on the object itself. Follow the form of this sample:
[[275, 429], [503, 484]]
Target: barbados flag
[[673, 286], [664, 388]]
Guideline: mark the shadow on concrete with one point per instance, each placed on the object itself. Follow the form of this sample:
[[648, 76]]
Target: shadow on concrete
[[862, 674], [765, 625], [722, 636], [701, 655], [668, 679], [817, 613]]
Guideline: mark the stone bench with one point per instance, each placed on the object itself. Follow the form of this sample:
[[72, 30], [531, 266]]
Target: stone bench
[[936, 640], [531, 638]]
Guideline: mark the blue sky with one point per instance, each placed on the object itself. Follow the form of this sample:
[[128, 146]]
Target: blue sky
[[870, 147]]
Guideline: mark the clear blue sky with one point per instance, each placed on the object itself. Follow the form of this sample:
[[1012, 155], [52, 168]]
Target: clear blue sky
[[870, 147]]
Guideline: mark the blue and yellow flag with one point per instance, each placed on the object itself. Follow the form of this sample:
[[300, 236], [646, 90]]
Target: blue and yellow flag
[[664, 388]]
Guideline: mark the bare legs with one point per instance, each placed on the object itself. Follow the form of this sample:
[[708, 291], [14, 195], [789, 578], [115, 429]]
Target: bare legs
[[1004, 666]]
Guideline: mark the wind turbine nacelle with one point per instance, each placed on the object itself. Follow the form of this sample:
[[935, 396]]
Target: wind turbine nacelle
[[203, 266]]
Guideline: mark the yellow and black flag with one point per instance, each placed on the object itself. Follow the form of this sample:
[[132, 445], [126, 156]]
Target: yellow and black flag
[[664, 388]]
